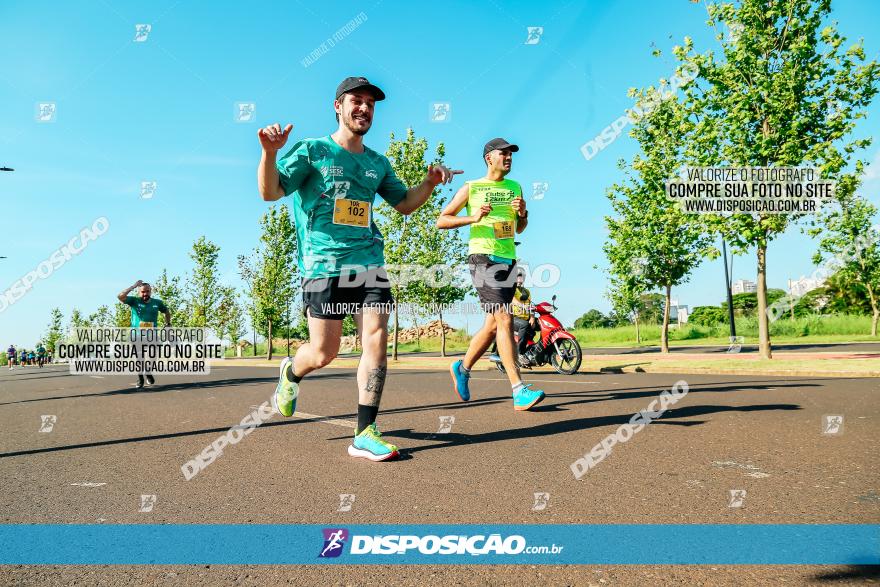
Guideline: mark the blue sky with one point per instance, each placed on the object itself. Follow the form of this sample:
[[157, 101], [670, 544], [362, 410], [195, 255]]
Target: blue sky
[[162, 110]]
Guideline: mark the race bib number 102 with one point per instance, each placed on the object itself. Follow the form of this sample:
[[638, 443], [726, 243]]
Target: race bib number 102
[[351, 212]]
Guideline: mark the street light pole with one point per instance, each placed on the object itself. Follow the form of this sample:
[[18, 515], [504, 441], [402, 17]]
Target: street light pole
[[727, 279]]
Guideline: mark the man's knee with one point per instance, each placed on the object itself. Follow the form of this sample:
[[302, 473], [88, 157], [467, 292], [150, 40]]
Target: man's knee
[[324, 356], [503, 319], [376, 342]]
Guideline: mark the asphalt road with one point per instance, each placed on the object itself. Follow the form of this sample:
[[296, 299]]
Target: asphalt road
[[111, 443]]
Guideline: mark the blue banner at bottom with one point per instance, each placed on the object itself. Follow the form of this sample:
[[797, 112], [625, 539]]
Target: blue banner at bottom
[[694, 544]]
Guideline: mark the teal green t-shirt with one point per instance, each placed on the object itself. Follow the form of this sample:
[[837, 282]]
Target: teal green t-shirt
[[145, 312], [334, 192]]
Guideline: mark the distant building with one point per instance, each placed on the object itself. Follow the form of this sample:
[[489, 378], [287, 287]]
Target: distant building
[[678, 313], [743, 286], [798, 287]]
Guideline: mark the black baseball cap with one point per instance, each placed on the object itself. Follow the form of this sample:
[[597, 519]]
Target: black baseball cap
[[355, 83], [498, 143]]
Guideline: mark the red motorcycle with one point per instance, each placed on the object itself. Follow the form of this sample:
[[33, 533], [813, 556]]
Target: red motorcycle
[[556, 345]]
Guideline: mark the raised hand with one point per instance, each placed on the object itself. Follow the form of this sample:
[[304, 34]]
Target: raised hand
[[438, 174], [272, 138]]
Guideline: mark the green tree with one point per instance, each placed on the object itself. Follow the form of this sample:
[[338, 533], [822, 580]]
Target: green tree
[[815, 301], [270, 271], [592, 319], [708, 316], [648, 226], [848, 239], [121, 315], [168, 289], [230, 316], [77, 320], [101, 317], [625, 292], [408, 237], [782, 92], [844, 296], [746, 303], [203, 290], [652, 307], [440, 253], [54, 332], [349, 326]]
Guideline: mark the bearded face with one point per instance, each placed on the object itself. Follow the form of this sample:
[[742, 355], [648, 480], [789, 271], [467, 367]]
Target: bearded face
[[355, 111]]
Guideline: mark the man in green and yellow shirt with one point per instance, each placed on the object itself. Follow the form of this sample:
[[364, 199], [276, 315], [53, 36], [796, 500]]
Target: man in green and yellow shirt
[[496, 211]]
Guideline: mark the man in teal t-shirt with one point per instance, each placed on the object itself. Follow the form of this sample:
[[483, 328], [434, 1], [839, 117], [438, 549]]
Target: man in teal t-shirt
[[144, 314], [334, 181]]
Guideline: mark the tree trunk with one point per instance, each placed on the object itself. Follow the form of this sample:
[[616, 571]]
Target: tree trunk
[[269, 343], [874, 309], [763, 319], [664, 333], [394, 344], [638, 335], [418, 333], [443, 335]]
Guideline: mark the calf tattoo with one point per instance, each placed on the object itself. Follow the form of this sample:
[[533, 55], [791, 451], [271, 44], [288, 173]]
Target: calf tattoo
[[375, 385]]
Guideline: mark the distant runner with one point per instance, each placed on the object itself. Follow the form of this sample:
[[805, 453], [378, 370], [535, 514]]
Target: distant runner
[[145, 311], [41, 354]]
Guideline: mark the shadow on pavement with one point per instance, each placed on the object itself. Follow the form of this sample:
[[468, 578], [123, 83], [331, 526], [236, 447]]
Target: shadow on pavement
[[851, 572], [592, 395], [39, 375], [221, 430], [563, 426], [160, 387]]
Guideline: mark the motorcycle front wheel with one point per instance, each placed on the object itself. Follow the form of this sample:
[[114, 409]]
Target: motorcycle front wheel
[[567, 356]]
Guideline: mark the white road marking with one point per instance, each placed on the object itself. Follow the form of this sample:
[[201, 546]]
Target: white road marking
[[95, 376], [324, 419], [88, 484], [753, 471]]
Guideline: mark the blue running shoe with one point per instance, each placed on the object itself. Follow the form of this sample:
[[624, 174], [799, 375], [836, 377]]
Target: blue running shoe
[[368, 444], [526, 398], [460, 381]]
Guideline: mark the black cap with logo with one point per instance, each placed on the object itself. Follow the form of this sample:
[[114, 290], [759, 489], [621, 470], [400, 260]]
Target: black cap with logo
[[355, 83], [498, 143]]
